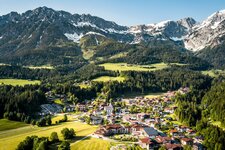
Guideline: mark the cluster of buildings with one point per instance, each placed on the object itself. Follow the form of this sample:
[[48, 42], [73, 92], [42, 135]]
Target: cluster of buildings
[[147, 127], [53, 108]]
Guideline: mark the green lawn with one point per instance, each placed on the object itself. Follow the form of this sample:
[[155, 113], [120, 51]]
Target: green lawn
[[108, 78], [7, 124], [130, 67], [20, 82], [91, 144], [10, 139]]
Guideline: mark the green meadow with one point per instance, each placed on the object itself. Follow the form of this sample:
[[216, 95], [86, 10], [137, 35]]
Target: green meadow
[[19, 82], [132, 67]]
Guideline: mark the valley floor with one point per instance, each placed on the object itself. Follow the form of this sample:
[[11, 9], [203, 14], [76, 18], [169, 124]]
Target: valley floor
[[10, 139]]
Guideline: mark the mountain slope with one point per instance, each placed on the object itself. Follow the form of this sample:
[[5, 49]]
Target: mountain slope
[[175, 30], [46, 36], [207, 33]]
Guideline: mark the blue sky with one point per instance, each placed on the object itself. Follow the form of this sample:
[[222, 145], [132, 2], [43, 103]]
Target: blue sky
[[124, 12]]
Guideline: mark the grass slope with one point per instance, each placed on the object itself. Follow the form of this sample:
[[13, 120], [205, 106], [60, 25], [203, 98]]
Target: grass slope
[[91, 144], [20, 82], [214, 73], [7, 124], [40, 67], [10, 139], [130, 67], [108, 78], [147, 95]]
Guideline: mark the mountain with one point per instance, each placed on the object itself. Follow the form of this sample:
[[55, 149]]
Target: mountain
[[43, 32], [208, 33], [175, 30], [46, 36]]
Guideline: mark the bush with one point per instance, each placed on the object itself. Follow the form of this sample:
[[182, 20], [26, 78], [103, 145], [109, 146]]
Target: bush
[[68, 133], [64, 146], [54, 137]]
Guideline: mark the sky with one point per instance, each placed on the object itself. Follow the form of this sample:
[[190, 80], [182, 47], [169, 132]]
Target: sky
[[124, 12]]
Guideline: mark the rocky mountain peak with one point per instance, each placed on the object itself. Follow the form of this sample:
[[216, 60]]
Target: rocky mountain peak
[[187, 22]]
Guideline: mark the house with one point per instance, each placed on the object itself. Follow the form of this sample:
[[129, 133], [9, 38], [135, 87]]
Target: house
[[163, 139], [96, 120], [198, 139], [81, 107], [182, 128], [112, 129], [191, 132], [198, 146], [142, 116], [174, 133], [137, 127], [169, 110], [147, 143], [173, 146], [109, 109], [186, 141], [149, 132]]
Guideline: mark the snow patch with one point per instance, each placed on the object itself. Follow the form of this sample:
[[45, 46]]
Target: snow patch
[[162, 24], [94, 33], [176, 38], [82, 24], [1, 37], [74, 37], [30, 36], [216, 24], [116, 31]]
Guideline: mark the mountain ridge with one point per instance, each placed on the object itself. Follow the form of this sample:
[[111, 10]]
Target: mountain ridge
[[44, 29]]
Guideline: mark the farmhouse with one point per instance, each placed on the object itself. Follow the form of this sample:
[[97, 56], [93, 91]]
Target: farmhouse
[[109, 109], [112, 129], [173, 146], [149, 132], [147, 143], [96, 120], [186, 141], [163, 140]]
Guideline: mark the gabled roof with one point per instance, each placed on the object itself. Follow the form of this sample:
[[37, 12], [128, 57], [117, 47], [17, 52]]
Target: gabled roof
[[172, 146], [150, 131], [146, 140], [187, 139]]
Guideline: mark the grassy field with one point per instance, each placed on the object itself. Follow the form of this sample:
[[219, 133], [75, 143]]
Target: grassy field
[[130, 67], [108, 78], [7, 124], [11, 138], [84, 86], [20, 82], [147, 95], [214, 73], [153, 95], [40, 67], [91, 144]]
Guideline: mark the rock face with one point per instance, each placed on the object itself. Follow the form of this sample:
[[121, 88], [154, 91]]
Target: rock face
[[175, 30], [208, 33], [44, 26]]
